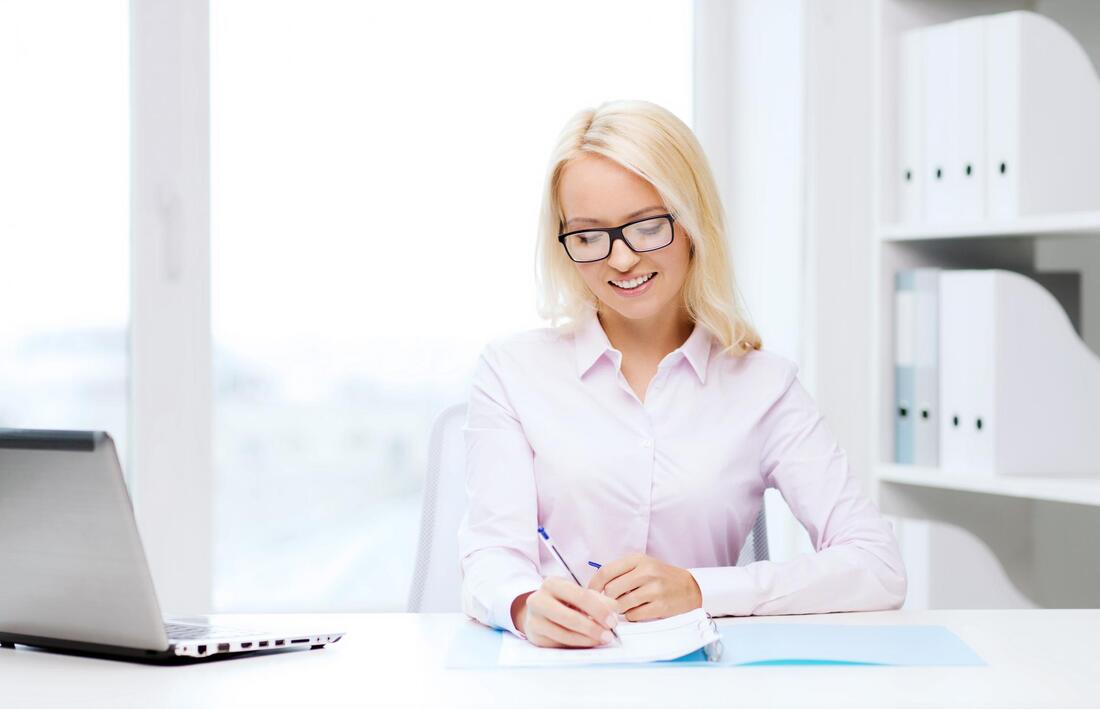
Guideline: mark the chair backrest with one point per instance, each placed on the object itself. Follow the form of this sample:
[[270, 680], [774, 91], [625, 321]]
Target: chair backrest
[[437, 577]]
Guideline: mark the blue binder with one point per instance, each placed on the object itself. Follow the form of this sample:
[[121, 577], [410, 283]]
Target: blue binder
[[916, 366]]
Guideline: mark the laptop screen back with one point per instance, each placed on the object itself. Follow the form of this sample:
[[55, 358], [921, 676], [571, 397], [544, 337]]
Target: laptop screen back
[[71, 560]]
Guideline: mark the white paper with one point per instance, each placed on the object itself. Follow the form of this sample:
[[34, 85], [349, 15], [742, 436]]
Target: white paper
[[642, 641]]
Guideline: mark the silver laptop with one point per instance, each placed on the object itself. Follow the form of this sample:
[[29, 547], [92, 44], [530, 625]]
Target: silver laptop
[[73, 574]]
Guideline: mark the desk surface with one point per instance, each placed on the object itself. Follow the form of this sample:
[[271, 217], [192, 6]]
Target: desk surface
[[1036, 658]]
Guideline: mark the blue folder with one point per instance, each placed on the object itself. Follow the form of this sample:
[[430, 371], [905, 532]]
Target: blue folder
[[757, 644]]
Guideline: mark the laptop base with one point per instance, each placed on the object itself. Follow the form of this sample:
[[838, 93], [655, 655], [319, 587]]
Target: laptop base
[[8, 641]]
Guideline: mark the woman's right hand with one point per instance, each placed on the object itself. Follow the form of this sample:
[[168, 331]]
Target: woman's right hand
[[563, 614]]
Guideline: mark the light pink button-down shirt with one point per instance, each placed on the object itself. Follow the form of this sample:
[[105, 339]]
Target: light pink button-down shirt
[[556, 437]]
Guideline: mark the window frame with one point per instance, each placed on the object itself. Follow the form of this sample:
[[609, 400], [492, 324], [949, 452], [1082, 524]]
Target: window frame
[[170, 459]]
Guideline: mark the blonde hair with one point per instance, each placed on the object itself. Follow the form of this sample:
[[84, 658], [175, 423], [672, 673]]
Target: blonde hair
[[656, 145]]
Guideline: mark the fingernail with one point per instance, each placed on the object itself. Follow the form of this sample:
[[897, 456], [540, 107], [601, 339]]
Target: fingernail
[[612, 620], [607, 636]]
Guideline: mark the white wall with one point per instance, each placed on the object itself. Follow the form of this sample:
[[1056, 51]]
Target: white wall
[[839, 218]]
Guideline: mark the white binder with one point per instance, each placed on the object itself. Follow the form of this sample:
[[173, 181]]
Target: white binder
[[1043, 112], [968, 163], [940, 134], [1003, 125], [911, 176], [1018, 386], [966, 352], [954, 120]]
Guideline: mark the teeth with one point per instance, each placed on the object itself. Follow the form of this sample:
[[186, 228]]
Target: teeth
[[635, 282]]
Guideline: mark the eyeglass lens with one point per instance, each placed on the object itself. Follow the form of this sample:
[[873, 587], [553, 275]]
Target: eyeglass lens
[[647, 235]]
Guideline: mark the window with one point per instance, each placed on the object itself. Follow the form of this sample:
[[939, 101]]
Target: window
[[64, 215], [357, 149]]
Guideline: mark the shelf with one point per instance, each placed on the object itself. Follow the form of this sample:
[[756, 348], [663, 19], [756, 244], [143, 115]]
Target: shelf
[[1067, 224], [1081, 491]]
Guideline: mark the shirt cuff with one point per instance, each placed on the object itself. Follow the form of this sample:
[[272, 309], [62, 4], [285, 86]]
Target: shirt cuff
[[501, 611], [726, 590]]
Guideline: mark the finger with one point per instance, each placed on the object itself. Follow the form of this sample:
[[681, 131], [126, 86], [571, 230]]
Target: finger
[[625, 584], [610, 610], [584, 600], [634, 599], [613, 570], [571, 619], [646, 611], [563, 637], [612, 607]]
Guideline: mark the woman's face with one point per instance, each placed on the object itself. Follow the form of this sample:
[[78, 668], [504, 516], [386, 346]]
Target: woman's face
[[597, 192]]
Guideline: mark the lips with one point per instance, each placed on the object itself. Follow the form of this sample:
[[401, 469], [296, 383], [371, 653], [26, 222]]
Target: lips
[[636, 292], [633, 279]]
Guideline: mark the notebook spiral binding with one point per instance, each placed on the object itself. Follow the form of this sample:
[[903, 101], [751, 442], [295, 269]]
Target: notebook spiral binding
[[712, 650]]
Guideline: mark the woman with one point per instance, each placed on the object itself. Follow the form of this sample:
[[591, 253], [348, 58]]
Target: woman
[[642, 430]]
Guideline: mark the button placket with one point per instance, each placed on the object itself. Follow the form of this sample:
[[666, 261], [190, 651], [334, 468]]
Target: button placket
[[646, 446]]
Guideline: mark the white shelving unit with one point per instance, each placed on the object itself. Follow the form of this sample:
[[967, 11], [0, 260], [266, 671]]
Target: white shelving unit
[[1085, 224], [1039, 529], [1078, 491]]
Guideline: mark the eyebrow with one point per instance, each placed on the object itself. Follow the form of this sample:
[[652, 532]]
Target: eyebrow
[[590, 220]]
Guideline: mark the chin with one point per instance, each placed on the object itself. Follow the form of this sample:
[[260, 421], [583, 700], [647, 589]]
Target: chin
[[635, 311]]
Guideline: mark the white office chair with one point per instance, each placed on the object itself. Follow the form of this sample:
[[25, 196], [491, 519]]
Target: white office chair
[[437, 577]]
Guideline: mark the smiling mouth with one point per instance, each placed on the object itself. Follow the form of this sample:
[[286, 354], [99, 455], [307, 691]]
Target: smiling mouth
[[634, 283]]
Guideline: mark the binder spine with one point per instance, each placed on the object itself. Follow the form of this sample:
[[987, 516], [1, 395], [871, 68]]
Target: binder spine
[[904, 368], [926, 409]]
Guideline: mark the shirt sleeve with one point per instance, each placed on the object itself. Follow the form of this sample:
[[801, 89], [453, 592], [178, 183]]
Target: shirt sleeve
[[856, 565], [498, 549]]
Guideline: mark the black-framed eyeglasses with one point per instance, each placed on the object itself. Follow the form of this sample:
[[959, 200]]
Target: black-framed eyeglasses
[[649, 234]]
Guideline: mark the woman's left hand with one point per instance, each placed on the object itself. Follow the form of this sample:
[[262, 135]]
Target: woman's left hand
[[647, 589]]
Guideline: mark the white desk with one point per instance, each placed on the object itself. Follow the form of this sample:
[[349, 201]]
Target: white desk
[[1037, 658]]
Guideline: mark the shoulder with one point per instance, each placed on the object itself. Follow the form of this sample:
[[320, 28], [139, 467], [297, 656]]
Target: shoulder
[[528, 348], [756, 379], [763, 366]]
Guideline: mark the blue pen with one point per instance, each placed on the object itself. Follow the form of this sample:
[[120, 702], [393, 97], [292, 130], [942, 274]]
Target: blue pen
[[554, 550]]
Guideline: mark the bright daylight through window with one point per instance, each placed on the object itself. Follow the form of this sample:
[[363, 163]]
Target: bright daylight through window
[[351, 172], [64, 215]]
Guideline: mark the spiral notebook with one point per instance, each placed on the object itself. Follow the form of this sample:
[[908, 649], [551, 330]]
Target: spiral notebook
[[642, 641]]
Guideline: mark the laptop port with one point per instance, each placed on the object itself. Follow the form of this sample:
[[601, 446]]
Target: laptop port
[[263, 643], [245, 646], [280, 643], [300, 640], [223, 647], [201, 649]]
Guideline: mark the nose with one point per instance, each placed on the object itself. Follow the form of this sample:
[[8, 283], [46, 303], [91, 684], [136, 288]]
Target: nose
[[622, 258]]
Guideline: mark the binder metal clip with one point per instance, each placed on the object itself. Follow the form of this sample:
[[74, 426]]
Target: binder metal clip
[[713, 650]]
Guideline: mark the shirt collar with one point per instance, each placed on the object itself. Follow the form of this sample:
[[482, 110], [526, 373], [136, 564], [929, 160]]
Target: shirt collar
[[591, 343]]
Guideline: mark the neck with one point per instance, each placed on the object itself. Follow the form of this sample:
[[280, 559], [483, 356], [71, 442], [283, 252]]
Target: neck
[[651, 338]]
